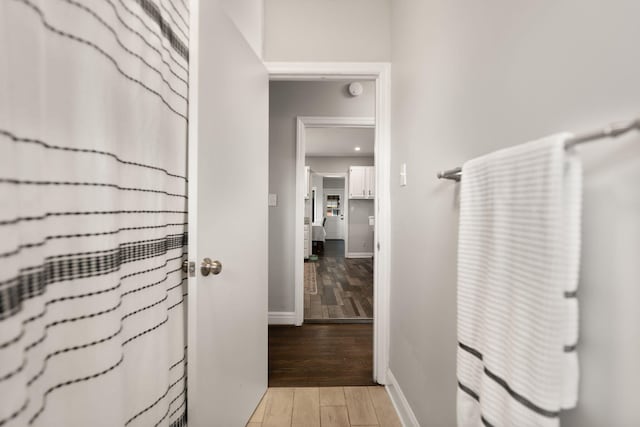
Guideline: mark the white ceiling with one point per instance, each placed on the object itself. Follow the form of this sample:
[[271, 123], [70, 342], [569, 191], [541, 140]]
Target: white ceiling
[[339, 142]]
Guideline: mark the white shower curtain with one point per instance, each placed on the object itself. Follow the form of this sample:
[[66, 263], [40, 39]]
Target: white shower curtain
[[93, 121]]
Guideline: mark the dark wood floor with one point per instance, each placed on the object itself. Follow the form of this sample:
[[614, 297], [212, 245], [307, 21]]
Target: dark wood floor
[[344, 288], [333, 248], [321, 355]]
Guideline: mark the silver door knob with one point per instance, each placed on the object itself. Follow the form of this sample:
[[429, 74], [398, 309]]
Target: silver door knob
[[210, 267], [185, 266]]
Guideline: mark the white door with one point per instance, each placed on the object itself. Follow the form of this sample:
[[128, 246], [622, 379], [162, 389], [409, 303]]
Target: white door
[[334, 226], [228, 194]]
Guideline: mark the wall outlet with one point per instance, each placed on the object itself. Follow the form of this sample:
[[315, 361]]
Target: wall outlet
[[273, 200]]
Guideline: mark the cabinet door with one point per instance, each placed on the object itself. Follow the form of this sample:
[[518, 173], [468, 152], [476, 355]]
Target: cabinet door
[[357, 182], [370, 182]]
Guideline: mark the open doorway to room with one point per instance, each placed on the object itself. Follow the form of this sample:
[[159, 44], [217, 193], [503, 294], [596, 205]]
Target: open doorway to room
[[322, 232], [338, 271]]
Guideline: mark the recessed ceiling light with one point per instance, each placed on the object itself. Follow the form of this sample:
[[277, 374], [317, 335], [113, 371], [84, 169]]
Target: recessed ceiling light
[[357, 148]]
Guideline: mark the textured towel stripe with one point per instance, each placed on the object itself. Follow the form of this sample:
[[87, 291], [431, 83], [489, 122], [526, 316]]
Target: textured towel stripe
[[470, 392], [485, 422], [475, 396], [470, 350], [520, 398]]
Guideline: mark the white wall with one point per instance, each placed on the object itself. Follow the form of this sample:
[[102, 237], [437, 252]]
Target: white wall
[[248, 17], [287, 101], [360, 232], [327, 30], [336, 142], [471, 77], [334, 183], [337, 164]]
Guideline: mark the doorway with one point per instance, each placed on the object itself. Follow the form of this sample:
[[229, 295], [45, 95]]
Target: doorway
[[378, 74], [339, 273]]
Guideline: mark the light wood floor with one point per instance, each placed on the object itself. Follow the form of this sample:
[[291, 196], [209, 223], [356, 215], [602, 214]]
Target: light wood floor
[[325, 407]]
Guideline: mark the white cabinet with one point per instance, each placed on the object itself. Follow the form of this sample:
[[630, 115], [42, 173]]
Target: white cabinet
[[362, 182], [307, 182], [370, 181], [357, 182]]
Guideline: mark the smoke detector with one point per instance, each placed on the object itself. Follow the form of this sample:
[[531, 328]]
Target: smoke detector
[[355, 89]]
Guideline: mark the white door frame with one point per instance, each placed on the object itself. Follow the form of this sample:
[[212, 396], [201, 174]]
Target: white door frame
[[380, 73]]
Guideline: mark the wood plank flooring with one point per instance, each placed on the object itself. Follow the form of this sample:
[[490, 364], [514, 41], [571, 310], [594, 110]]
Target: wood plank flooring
[[344, 290], [320, 355], [333, 248], [325, 407]]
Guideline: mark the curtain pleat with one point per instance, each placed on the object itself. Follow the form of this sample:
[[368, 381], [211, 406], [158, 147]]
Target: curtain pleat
[[93, 201]]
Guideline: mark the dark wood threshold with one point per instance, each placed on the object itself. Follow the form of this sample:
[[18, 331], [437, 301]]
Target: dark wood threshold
[[358, 320], [321, 355]]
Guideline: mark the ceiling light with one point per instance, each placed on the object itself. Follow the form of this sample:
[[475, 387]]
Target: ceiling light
[[357, 148]]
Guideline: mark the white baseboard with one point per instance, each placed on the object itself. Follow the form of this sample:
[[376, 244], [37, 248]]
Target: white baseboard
[[359, 254], [282, 317], [400, 402]]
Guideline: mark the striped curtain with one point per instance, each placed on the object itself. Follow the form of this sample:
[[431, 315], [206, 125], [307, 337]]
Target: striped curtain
[[93, 126]]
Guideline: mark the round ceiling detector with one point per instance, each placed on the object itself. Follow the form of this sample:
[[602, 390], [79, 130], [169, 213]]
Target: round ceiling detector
[[355, 89]]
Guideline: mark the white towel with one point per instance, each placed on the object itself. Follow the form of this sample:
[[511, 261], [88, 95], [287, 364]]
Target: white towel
[[518, 263]]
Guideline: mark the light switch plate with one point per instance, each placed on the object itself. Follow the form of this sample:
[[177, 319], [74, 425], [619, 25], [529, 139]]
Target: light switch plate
[[403, 175], [273, 200]]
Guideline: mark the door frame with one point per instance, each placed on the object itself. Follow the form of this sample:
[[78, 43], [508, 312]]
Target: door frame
[[345, 228], [380, 72]]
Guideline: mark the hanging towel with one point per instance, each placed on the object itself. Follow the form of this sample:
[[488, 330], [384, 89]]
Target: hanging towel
[[518, 263]]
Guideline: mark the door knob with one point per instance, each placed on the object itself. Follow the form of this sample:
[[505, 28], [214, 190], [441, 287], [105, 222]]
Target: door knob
[[185, 266], [210, 267]]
